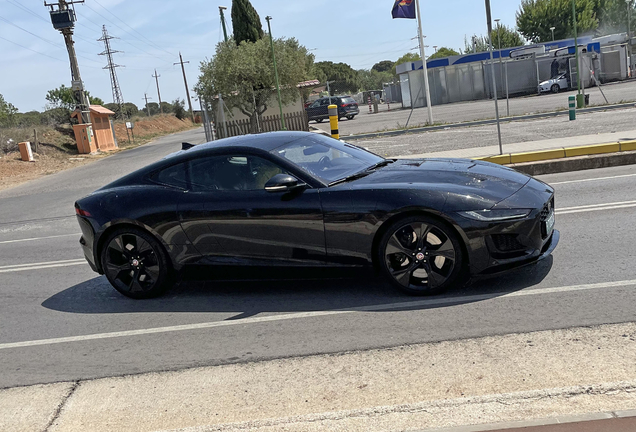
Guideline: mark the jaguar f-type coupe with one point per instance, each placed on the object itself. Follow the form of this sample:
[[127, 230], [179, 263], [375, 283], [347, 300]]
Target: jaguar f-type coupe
[[303, 199]]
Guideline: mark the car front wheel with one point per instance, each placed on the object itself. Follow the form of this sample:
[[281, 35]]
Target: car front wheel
[[420, 255], [555, 88], [135, 264]]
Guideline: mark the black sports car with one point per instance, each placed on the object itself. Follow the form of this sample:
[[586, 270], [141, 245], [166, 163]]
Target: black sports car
[[294, 198]]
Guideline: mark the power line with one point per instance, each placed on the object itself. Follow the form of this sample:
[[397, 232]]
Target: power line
[[26, 48], [125, 31], [122, 21]]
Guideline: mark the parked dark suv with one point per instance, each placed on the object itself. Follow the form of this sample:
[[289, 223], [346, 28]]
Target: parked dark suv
[[347, 107]]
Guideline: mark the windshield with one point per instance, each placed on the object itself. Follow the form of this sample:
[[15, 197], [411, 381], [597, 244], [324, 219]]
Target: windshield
[[326, 158]]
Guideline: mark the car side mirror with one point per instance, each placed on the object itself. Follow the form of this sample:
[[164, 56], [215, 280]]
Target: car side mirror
[[283, 183]]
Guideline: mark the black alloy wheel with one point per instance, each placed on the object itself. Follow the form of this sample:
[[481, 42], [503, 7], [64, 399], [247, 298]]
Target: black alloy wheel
[[420, 255], [555, 88], [135, 264]]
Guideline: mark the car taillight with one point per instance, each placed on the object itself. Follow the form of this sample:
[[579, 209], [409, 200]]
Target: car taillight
[[81, 212]]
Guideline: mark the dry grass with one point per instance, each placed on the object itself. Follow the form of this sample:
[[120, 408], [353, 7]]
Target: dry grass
[[58, 150]]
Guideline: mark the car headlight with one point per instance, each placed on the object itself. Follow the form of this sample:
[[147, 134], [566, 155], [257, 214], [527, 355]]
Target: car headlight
[[495, 215]]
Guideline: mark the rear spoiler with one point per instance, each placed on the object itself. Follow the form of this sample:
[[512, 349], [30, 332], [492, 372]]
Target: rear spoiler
[[186, 146]]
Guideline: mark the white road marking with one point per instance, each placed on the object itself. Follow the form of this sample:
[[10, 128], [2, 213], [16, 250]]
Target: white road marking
[[42, 265], [300, 315], [592, 179], [596, 207], [38, 238]]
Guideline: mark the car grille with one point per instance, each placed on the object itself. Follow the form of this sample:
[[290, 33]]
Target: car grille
[[506, 242], [545, 214]]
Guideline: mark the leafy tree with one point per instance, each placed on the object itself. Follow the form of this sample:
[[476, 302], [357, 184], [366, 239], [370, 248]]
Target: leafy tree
[[612, 16], [178, 105], [344, 76], [245, 22], [383, 66], [62, 97], [244, 75], [443, 52], [167, 107], [373, 80], [406, 58], [502, 36], [7, 112], [154, 108], [535, 17]]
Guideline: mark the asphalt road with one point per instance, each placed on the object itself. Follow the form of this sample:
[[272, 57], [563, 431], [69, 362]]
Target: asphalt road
[[59, 321], [478, 110]]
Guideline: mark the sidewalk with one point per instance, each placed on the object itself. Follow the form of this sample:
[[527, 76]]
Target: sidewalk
[[533, 146], [484, 381]]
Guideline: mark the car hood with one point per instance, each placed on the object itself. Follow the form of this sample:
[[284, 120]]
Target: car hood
[[466, 183]]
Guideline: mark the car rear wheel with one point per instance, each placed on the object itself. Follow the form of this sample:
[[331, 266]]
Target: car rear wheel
[[420, 255], [350, 117], [135, 264], [555, 88]]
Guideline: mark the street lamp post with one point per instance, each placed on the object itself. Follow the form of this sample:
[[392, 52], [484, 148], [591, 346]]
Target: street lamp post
[[280, 102], [501, 71], [629, 34], [579, 97], [552, 30], [492, 70]]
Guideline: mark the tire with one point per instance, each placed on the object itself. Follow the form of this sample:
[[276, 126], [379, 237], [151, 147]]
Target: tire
[[319, 120], [135, 264], [555, 88], [350, 117], [414, 248]]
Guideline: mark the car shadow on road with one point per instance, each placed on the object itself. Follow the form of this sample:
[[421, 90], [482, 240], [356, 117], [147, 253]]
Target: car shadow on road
[[254, 292]]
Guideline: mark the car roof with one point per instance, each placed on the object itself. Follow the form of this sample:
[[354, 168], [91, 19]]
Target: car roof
[[265, 141]]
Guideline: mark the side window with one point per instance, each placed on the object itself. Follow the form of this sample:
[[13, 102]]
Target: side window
[[232, 172], [174, 175]]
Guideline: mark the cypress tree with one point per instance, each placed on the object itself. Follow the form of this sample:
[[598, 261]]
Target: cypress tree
[[245, 22]]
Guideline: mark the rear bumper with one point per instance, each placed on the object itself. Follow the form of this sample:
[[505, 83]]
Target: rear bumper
[[87, 242]]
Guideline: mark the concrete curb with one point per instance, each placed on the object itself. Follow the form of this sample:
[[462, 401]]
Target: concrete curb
[[483, 122], [561, 152], [576, 163], [538, 422]]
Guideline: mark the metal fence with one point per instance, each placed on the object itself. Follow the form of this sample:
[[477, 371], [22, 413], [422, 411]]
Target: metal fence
[[293, 122]]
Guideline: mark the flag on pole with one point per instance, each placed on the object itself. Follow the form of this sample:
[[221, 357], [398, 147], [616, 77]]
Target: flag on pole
[[404, 9]]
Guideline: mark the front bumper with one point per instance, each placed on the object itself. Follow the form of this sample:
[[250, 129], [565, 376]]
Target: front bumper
[[502, 245]]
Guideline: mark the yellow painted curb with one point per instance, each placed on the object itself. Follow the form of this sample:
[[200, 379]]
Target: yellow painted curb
[[628, 145], [499, 159], [537, 156], [592, 149]]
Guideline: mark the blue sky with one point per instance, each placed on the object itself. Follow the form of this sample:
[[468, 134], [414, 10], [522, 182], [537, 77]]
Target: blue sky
[[152, 33]]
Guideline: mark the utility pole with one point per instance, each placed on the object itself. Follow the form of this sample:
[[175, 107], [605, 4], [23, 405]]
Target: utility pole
[[118, 98], [147, 107], [185, 80], [63, 19], [156, 77], [280, 102], [492, 70], [221, 9], [580, 101], [629, 36], [424, 66]]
